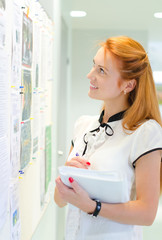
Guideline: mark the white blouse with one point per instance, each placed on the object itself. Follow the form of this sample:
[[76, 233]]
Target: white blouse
[[108, 147]]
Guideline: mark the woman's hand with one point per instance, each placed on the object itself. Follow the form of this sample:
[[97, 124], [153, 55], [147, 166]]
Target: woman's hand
[[58, 200], [78, 162], [75, 195]]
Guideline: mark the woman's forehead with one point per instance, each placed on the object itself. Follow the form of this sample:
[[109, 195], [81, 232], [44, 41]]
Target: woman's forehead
[[104, 57]]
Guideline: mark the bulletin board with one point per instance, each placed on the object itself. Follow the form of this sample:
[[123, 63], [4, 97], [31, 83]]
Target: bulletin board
[[26, 81]]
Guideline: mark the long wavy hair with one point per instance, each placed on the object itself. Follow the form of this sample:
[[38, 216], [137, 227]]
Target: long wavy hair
[[134, 64]]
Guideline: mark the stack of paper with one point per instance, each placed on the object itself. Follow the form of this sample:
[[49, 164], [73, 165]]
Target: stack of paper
[[106, 186]]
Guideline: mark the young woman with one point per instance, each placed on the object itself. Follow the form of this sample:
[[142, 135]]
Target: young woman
[[126, 137]]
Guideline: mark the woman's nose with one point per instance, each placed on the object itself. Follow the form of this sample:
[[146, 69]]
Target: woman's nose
[[91, 74]]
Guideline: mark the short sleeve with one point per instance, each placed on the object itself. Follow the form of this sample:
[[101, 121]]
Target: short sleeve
[[147, 138]]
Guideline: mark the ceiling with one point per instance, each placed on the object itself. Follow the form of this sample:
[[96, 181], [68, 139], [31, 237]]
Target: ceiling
[[118, 15], [121, 16]]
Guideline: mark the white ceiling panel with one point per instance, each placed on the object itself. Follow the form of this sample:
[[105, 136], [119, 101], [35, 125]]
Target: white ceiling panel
[[117, 14]]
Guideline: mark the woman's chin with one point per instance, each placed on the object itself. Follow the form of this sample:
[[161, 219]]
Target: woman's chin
[[93, 96], [90, 94]]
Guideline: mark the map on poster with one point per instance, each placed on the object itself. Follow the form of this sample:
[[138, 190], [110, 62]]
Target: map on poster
[[27, 41], [25, 148], [27, 94]]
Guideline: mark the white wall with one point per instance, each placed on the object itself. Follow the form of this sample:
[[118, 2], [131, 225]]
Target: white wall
[[48, 7]]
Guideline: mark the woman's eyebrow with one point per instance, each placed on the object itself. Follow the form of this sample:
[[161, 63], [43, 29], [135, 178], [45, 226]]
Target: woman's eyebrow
[[100, 65]]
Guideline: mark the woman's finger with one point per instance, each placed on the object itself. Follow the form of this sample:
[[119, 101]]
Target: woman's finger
[[78, 162], [82, 160], [74, 163], [61, 186]]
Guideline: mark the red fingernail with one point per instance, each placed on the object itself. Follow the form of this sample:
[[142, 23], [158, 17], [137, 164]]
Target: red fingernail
[[88, 163], [71, 179]]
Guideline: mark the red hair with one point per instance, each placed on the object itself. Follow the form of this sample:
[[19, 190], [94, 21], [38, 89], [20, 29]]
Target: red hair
[[134, 64]]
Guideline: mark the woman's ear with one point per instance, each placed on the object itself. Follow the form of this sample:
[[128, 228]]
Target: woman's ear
[[130, 85]]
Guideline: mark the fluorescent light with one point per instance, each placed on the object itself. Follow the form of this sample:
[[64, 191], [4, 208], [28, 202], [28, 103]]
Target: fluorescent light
[[158, 15], [157, 77], [78, 14]]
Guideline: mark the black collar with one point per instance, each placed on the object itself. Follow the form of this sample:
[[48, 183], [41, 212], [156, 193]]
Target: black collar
[[115, 117]]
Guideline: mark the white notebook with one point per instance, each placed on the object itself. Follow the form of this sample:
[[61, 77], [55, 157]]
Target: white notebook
[[106, 186]]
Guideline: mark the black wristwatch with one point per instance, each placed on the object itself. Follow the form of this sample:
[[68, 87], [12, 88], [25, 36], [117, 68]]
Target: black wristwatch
[[97, 209]]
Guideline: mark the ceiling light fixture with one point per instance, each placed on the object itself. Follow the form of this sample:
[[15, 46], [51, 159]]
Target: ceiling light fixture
[[158, 15], [78, 14]]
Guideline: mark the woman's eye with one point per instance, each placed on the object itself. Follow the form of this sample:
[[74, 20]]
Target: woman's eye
[[101, 70]]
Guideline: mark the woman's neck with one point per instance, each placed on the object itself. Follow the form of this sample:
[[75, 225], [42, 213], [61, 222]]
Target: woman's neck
[[109, 111]]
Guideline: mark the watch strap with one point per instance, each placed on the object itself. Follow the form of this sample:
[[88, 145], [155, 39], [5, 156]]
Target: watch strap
[[97, 209]]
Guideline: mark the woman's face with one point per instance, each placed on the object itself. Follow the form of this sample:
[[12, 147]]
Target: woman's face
[[105, 81]]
